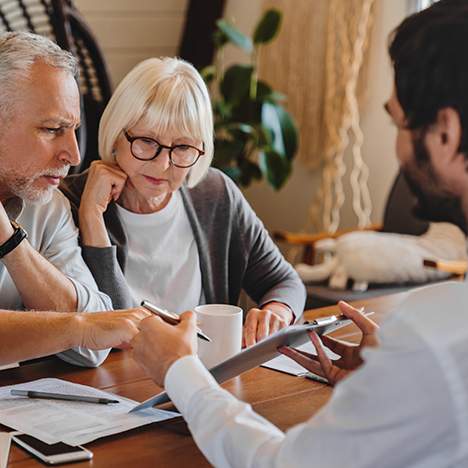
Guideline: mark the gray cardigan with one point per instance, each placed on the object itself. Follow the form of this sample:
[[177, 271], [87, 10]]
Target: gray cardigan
[[235, 249]]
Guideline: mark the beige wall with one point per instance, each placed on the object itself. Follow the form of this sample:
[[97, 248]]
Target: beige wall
[[288, 208], [131, 30]]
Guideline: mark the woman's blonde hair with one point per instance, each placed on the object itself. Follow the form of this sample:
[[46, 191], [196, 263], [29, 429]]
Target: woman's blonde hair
[[167, 94]]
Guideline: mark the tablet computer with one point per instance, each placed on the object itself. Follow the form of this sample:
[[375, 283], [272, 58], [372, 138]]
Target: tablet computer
[[261, 352]]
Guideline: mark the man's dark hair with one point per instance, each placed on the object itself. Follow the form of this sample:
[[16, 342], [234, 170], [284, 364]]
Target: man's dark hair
[[431, 65]]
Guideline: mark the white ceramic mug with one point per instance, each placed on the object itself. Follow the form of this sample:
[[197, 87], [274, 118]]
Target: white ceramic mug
[[223, 324]]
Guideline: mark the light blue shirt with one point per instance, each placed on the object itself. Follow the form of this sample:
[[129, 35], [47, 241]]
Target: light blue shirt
[[52, 232]]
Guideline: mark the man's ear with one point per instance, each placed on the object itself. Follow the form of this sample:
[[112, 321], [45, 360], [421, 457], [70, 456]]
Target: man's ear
[[445, 134]]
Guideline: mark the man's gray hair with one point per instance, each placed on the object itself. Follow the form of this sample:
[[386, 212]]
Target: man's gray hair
[[19, 51]]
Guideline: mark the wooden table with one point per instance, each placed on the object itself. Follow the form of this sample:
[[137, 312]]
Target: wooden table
[[283, 399]]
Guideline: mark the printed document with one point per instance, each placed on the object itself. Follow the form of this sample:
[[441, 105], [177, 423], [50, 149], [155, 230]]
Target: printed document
[[71, 422]]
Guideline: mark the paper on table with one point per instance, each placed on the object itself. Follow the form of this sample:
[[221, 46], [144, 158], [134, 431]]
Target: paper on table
[[72, 422], [287, 365], [5, 440]]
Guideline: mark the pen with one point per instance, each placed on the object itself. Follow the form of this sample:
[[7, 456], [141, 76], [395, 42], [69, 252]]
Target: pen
[[61, 396], [170, 318], [315, 378]]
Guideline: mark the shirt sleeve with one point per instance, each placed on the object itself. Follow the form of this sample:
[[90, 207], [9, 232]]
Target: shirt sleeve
[[379, 416], [269, 277], [105, 268], [62, 250]]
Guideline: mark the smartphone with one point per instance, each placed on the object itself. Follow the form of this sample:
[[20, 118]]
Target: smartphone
[[52, 454]]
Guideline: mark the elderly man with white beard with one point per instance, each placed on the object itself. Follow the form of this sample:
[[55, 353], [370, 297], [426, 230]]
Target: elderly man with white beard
[[41, 266]]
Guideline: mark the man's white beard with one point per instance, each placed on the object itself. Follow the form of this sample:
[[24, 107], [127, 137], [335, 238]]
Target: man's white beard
[[24, 187], [35, 196]]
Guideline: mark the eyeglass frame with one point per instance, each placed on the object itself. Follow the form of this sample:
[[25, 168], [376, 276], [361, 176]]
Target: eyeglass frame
[[131, 139]]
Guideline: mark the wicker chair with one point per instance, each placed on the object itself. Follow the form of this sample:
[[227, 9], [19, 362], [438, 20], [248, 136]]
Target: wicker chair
[[60, 21]]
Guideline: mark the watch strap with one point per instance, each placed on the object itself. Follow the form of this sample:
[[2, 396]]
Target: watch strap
[[16, 238]]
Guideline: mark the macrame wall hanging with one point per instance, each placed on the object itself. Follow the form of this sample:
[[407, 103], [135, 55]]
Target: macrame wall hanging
[[318, 61], [347, 33]]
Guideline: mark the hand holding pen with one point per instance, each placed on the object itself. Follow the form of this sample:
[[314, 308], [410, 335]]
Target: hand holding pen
[[168, 317], [350, 354]]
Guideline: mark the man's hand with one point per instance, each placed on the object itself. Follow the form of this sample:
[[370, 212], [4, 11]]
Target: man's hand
[[350, 354], [101, 330], [159, 345], [260, 323]]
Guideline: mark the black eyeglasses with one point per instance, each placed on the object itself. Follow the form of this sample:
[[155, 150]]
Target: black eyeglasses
[[147, 149]]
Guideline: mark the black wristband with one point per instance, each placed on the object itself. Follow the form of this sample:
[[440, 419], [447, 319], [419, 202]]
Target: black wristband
[[17, 237]]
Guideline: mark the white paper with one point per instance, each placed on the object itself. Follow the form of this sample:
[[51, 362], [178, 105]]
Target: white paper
[[5, 440], [284, 364], [71, 422]]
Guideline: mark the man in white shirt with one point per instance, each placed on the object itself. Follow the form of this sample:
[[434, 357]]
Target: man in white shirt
[[407, 406], [39, 113]]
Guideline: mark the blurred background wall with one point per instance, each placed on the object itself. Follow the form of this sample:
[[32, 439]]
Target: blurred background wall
[[132, 30]]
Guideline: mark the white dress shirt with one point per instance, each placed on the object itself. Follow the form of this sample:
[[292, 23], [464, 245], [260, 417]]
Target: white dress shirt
[[52, 232], [407, 406]]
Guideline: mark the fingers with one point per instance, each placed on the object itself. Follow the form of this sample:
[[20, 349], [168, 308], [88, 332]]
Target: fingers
[[277, 323], [337, 346], [325, 362], [310, 364], [307, 355], [263, 324], [149, 323], [365, 324], [188, 320], [250, 327]]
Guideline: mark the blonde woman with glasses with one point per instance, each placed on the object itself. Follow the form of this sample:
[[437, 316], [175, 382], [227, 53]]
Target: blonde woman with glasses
[[156, 222]]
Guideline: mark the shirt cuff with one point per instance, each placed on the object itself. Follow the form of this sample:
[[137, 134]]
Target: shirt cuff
[[184, 379]]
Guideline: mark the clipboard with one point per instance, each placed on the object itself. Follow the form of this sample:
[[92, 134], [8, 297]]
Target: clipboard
[[265, 350]]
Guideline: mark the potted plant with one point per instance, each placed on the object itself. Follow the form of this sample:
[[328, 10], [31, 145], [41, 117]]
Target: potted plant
[[255, 137]]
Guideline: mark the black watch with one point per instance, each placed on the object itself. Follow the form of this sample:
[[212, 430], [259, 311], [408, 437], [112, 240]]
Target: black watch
[[17, 237]]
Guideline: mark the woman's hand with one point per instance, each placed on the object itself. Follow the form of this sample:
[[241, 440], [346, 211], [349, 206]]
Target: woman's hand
[[105, 183], [350, 354], [260, 323]]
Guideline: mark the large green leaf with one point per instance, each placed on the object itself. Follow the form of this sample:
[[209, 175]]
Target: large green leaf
[[268, 27], [236, 82], [233, 172], [281, 124], [234, 36], [227, 151], [266, 93], [275, 168], [249, 172], [239, 128]]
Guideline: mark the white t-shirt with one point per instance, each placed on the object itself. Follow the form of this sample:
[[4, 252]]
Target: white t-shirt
[[163, 264]]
